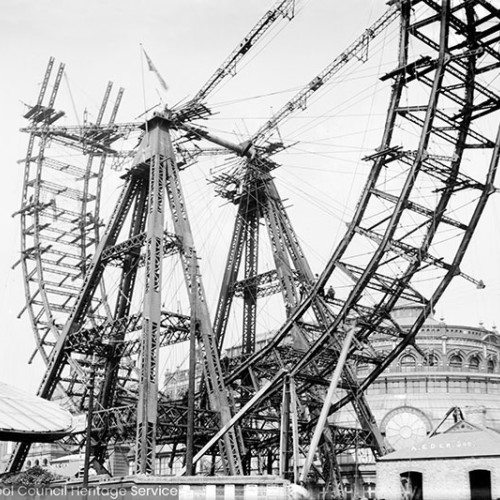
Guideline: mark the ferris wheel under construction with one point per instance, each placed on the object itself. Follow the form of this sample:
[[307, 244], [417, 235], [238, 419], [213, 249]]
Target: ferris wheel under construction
[[96, 283]]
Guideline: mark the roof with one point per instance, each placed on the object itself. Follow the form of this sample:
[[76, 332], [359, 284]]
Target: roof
[[76, 457], [24, 417], [462, 439]]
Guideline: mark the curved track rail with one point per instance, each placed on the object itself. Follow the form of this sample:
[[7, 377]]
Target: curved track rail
[[412, 225]]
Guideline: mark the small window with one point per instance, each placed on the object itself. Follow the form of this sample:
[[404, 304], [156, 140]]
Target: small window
[[408, 361], [348, 491], [369, 490], [480, 484], [45, 461], [430, 360], [455, 361], [491, 366], [411, 485], [474, 363]]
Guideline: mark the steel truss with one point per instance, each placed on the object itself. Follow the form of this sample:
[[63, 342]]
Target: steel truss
[[437, 106]]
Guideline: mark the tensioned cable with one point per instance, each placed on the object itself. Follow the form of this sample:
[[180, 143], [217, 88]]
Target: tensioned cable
[[348, 69], [72, 99], [359, 75], [338, 108], [262, 47]]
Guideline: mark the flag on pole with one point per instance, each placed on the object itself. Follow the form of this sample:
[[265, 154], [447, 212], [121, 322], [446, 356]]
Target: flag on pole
[[152, 68]]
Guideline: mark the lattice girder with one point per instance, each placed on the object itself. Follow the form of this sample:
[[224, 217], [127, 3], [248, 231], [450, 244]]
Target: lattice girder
[[412, 200], [413, 243]]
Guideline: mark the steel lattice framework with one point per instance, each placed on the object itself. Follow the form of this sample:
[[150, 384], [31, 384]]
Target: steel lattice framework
[[261, 404]]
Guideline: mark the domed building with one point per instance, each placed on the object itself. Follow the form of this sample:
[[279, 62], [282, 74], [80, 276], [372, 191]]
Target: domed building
[[449, 366]]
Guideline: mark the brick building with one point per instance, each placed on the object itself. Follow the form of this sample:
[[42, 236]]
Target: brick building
[[462, 463], [450, 366]]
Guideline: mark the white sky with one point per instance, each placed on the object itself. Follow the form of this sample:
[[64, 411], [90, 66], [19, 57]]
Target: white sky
[[187, 40]]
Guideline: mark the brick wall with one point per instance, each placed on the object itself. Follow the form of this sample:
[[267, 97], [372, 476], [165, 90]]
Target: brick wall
[[442, 479]]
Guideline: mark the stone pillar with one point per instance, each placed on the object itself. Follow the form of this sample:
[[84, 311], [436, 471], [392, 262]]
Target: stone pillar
[[444, 338]]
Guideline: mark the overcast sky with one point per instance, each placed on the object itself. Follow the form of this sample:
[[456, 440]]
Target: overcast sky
[[187, 40]]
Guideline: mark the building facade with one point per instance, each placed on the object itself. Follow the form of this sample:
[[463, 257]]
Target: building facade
[[461, 463], [449, 366]]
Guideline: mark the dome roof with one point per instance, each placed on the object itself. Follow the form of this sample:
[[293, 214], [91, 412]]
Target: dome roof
[[24, 417], [405, 312]]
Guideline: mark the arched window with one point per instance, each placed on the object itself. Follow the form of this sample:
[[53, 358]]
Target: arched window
[[408, 361], [28, 464], [474, 363], [37, 462], [455, 361], [45, 461], [431, 359], [491, 366]]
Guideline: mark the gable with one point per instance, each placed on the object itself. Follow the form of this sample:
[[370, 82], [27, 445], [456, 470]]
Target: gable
[[462, 439]]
